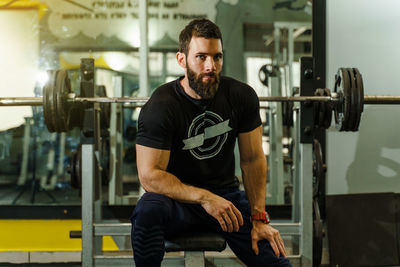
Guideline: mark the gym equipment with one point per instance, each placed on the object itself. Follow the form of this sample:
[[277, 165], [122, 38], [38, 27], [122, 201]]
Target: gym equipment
[[322, 110], [75, 167], [319, 168], [61, 104], [194, 245], [347, 101]]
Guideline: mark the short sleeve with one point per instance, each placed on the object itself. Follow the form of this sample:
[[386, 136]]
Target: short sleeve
[[249, 110], [155, 125]]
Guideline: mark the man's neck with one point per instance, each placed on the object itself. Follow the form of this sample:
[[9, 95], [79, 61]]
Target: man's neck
[[188, 90]]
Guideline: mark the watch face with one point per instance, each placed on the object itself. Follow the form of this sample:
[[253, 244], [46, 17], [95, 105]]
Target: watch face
[[267, 217]]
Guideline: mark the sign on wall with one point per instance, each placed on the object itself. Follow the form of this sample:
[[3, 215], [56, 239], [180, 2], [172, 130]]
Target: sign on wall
[[120, 18]]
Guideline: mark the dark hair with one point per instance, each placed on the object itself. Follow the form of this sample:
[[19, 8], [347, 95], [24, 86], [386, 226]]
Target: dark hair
[[198, 28]]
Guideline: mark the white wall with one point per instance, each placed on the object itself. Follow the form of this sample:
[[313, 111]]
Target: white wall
[[19, 44], [366, 34]]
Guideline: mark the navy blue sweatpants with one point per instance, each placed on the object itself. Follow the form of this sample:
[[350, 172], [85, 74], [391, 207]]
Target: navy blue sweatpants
[[158, 217]]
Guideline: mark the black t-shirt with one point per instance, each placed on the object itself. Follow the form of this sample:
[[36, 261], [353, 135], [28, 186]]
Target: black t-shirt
[[200, 134]]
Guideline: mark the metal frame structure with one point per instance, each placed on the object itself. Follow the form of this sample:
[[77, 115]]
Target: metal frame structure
[[93, 228], [275, 157], [279, 89], [115, 190]]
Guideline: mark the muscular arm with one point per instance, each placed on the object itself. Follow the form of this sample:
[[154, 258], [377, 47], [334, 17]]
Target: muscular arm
[[152, 164], [254, 168], [254, 172]]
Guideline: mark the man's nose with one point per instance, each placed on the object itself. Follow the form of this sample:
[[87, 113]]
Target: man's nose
[[210, 64]]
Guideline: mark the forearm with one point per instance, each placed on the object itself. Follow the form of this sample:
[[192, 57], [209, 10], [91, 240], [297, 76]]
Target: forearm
[[163, 182], [254, 174]]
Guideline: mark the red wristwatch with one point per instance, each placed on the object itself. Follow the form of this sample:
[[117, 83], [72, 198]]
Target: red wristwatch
[[261, 216]]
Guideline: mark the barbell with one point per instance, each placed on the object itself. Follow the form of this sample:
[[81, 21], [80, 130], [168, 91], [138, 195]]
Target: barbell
[[347, 101]]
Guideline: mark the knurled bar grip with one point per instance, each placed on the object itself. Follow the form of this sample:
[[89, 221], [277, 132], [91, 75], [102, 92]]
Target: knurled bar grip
[[38, 101]]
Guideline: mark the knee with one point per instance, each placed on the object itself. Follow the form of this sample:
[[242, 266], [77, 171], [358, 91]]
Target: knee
[[152, 208]]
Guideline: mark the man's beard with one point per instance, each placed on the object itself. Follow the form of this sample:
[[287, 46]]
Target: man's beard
[[205, 90]]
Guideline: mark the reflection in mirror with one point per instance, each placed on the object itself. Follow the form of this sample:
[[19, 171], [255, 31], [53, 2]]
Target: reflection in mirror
[[36, 165]]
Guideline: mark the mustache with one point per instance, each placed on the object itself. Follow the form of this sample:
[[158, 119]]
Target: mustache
[[211, 74]]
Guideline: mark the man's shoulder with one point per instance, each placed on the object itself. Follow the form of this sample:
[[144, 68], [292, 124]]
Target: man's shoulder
[[162, 101], [165, 93], [166, 89]]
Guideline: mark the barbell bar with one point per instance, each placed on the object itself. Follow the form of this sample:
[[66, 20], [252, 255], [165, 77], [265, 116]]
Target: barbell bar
[[38, 101], [347, 101]]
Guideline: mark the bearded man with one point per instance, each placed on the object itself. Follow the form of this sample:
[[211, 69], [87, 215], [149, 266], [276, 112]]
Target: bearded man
[[185, 156]]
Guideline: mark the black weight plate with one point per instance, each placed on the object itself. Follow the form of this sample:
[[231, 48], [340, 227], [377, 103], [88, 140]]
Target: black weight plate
[[322, 110], [263, 75], [355, 100], [342, 108], [53, 103], [59, 121], [339, 107], [346, 83], [353, 112], [318, 168], [360, 88], [63, 108], [75, 168], [317, 235], [47, 100]]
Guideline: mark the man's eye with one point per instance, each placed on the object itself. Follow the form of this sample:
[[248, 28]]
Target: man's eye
[[201, 57], [217, 57]]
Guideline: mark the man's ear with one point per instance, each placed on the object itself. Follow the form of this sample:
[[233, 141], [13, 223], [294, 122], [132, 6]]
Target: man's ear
[[181, 58]]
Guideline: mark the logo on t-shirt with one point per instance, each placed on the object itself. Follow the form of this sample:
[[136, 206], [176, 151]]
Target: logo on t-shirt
[[206, 135]]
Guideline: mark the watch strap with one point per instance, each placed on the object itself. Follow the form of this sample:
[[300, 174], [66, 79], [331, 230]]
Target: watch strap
[[261, 216]]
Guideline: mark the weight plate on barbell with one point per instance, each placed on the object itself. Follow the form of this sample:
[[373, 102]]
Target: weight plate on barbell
[[62, 89], [359, 96], [346, 84], [353, 112], [343, 106], [56, 109], [339, 106], [48, 100], [360, 89], [322, 110]]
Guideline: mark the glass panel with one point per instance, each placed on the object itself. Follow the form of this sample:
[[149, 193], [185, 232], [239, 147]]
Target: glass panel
[[40, 35]]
